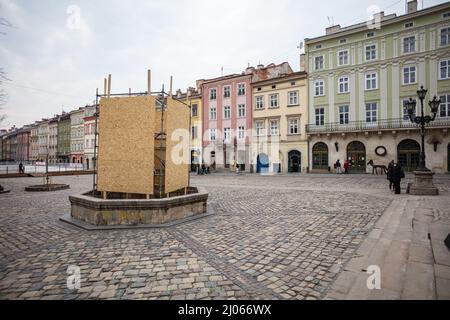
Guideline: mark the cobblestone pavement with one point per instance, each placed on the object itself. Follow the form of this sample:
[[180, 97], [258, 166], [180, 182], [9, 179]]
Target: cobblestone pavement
[[282, 237]]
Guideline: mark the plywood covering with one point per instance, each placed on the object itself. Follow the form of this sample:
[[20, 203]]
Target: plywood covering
[[177, 152], [126, 145]]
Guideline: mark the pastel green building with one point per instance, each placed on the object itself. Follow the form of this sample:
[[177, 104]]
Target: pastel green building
[[359, 78]]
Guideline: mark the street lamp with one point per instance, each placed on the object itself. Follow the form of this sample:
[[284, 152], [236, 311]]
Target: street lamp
[[423, 180], [422, 120]]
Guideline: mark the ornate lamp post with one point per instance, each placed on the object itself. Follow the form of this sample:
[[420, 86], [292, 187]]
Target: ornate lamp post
[[423, 179]]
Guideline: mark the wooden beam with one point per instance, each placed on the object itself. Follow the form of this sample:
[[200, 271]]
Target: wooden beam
[[149, 81]]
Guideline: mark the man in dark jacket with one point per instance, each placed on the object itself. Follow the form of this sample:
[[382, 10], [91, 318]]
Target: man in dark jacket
[[390, 171], [397, 176]]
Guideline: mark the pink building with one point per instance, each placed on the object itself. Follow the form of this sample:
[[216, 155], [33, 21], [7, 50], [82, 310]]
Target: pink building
[[227, 120], [227, 115]]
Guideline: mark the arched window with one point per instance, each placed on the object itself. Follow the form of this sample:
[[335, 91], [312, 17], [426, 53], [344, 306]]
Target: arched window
[[320, 156]]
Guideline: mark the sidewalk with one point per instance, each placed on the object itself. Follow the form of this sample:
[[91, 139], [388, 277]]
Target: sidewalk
[[407, 244]]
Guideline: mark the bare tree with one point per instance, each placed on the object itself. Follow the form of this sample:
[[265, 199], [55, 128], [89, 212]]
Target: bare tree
[[4, 23]]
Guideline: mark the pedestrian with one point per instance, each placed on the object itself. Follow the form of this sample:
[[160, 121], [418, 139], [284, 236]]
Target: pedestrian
[[397, 176], [237, 168], [338, 167], [21, 169], [346, 166], [390, 172], [203, 168]]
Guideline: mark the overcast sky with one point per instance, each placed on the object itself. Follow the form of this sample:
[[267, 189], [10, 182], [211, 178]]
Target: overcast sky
[[56, 61]]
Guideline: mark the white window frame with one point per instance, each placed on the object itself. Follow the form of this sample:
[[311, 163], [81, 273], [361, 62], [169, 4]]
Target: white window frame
[[319, 84], [227, 109], [375, 50], [259, 100], [212, 134], [294, 123], [229, 92], [371, 114], [273, 105], [322, 65], [409, 47], [448, 36], [319, 116], [211, 96], [241, 132], [366, 79], [274, 129], [227, 134], [347, 57], [447, 67], [241, 89], [344, 114], [409, 67], [293, 98], [445, 104], [345, 84], [259, 127], [212, 111], [241, 111]]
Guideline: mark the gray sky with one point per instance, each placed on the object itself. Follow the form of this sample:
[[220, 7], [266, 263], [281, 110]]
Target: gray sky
[[55, 63]]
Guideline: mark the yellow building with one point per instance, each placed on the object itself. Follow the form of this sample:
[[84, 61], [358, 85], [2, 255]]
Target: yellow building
[[280, 107], [193, 98]]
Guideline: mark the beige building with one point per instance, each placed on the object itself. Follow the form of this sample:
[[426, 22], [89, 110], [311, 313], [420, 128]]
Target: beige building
[[280, 115]]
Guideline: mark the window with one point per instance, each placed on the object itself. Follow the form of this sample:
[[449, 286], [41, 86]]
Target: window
[[405, 110], [274, 127], [227, 112], [293, 126], [409, 24], [227, 134], [226, 92], [259, 128], [370, 34], [343, 84], [241, 110], [320, 116], [371, 112], [318, 46], [444, 108], [213, 94], [212, 134], [444, 66], [194, 110], [371, 52], [446, 15], [318, 63], [371, 81], [212, 113], [342, 40], [273, 98], [343, 57], [260, 102], [343, 114], [241, 132], [293, 98], [241, 89], [409, 44], [409, 75], [445, 36], [194, 133], [318, 88]]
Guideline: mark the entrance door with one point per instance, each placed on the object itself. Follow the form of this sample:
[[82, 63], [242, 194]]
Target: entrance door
[[320, 156], [408, 154], [356, 155], [294, 161], [262, 165]]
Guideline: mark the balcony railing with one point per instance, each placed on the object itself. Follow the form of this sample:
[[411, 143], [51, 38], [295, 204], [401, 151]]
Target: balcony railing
[[389, 124]]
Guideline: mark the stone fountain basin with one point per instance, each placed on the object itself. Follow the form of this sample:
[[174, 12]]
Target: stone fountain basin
[[94, 211]]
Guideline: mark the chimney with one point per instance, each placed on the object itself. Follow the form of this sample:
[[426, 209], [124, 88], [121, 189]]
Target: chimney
[[302, 62], [411, 6], [332, 29]]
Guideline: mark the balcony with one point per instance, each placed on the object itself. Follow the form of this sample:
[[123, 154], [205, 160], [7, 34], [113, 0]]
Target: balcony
[[391, 124]]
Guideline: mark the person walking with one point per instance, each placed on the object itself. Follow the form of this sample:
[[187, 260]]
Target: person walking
[[338, 167], [390, 172], [21, 169], [397, 177], [346, 166]]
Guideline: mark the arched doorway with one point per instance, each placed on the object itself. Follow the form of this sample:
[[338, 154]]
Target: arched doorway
[[320, 156], [356, 155], [262, 163], [295, 161], [408, 154]]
